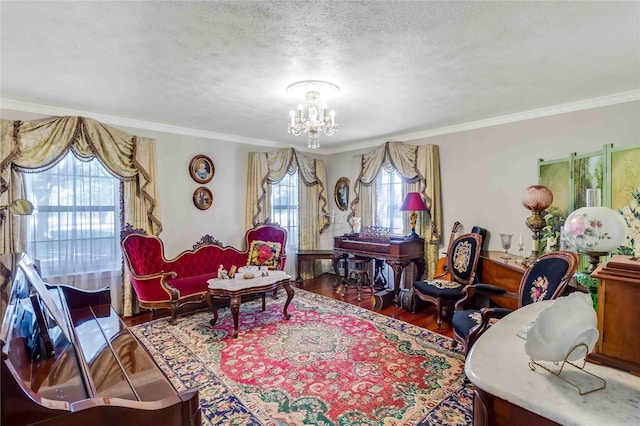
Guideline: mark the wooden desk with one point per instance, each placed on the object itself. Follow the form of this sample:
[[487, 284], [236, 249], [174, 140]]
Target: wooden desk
[[492, 269], [506, 274], [310, 255]]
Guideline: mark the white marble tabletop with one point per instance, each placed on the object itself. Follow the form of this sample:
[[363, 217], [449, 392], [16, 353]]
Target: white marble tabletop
[[239, 283], [498, 364]]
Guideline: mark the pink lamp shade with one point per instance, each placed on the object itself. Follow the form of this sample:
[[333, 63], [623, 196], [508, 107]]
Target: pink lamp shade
[[413, 202], [537, 198]]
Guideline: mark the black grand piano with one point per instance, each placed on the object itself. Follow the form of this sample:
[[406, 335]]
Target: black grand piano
[[68, 359]]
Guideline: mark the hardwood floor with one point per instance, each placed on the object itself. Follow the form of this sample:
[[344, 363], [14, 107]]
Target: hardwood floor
[[424, 317]]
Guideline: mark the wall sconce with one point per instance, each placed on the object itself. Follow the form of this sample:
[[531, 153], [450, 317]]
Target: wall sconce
[[413, 202]]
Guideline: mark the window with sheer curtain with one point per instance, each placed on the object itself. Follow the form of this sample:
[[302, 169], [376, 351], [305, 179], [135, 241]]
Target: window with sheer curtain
[[389, 200], [285, 208], [75, 233]]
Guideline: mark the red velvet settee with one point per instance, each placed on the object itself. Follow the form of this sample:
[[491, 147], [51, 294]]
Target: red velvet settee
[[162, 283]]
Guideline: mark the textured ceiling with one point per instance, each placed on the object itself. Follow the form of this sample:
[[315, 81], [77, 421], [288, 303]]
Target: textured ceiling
[[220, 68]]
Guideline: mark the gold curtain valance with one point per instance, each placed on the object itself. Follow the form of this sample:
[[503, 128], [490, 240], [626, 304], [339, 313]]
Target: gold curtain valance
[[36, 145], [40, 144], [269, 168], [419, 167]]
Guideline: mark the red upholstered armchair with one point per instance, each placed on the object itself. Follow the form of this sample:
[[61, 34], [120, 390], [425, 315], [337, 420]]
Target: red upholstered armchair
[[275, 236]]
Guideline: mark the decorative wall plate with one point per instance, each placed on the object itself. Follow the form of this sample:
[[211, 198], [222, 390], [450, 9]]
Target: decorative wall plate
[[202, 198], [201, 168]]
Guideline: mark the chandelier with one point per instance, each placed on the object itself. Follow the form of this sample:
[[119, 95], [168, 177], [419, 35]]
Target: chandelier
[[312, 118]]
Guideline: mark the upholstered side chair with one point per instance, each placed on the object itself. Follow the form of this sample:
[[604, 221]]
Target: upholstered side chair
[[544, 280], [441, 272], [461, 264], [263, 235]]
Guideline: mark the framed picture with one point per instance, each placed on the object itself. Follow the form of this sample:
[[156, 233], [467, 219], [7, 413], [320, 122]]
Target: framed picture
[[341, 193], [625, 192], [201, 168], [202, 198], [556, 175]]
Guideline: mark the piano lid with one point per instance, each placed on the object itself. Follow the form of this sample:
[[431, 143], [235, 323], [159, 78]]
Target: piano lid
[[104, 373]]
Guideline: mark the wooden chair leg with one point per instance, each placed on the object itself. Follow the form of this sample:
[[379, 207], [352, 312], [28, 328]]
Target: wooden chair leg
[[439, 312], [174, 308]]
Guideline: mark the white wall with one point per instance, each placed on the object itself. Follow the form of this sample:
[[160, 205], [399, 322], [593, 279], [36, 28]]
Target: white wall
[[485, 171], [183, 224]]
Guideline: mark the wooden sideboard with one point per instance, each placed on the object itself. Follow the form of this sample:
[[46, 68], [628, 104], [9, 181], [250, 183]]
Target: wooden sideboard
[[618, 314]]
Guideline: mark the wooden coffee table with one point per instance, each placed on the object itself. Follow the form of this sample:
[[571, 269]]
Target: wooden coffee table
[[237, 287]]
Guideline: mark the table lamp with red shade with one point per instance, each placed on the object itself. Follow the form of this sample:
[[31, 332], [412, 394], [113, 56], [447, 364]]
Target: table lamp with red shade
[[413, 202]]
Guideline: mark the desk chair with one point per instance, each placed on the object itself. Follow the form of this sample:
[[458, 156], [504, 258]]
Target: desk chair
[[462, 260]]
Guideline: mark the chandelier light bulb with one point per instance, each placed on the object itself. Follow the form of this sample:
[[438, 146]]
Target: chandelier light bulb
[[312, 117]]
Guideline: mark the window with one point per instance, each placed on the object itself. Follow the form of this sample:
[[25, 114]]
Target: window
[[284, 207], [76, 230], [389, 201]]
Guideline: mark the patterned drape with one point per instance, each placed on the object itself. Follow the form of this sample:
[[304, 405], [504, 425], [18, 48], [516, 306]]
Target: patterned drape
[[419, 167], [267, 168], [41, 143]]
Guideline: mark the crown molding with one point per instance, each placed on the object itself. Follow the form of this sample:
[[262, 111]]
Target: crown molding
[[132, 123], [617, 98]]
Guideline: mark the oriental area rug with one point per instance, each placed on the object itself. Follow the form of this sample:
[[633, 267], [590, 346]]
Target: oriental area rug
[[332, 363]]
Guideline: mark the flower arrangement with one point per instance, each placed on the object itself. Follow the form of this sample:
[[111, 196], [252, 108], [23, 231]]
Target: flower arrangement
[[554, 221], [631, 215]]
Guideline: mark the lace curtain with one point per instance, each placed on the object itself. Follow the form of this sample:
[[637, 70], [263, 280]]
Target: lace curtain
[[37, 144], [419, 168], [267, 168]]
